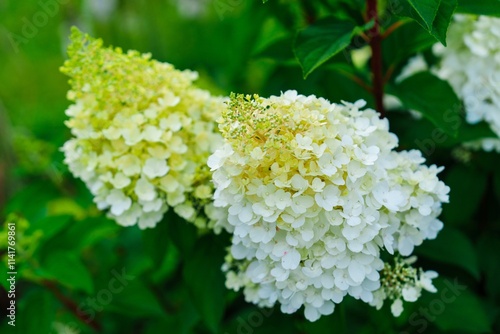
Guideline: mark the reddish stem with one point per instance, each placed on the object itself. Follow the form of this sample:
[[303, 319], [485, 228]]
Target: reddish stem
[[376, 61]]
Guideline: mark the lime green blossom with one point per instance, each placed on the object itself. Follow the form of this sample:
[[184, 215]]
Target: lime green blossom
[[25, 243], [142, 133]]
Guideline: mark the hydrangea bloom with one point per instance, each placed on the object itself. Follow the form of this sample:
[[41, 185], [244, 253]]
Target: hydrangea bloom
[[471, 64], [314, 191], [142, 133]]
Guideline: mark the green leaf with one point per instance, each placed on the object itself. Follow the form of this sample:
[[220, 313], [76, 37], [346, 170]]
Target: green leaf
[[168, 265], [41, 190], [80, 234], [471, 132], [496, 185], [349, 90], [426, 9], [279, 50], [38, 306], [454, 308], [463, 180], [486, 247], [263, 320], [181, 322], [433, 15], [67, 269], [452, 247], [155, 242], [50, 225], [324, 324], [182, 233], [433, 97], [404, 42], [205, 280], [443, 19], [479, 7], [322, 40], [131, 297]]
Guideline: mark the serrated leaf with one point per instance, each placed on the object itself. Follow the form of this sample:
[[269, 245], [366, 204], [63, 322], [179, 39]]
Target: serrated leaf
[[322, 40], [426, 9], [438, 26], [433, 97], [453, 247], [463, 180], [205, 280], [67, 269], [443, 19]]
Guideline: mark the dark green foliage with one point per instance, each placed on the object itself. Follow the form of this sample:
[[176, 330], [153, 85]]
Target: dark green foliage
[[79, 269]]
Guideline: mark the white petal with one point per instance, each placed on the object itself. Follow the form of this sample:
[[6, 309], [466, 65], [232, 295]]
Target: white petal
[[291, 259], [410, 293], [397, 307], [311, 313], [356, 271]]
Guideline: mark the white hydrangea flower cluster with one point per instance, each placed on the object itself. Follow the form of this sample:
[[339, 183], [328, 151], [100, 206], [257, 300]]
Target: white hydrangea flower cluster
[[142, 134], [402, 282], [314, 191], [471, 64]]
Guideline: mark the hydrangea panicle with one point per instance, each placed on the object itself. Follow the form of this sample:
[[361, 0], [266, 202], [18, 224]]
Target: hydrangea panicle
[[314, 191], [142, 133]]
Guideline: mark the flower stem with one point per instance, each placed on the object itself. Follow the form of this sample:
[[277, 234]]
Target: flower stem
[[393, 28], [376, 61]]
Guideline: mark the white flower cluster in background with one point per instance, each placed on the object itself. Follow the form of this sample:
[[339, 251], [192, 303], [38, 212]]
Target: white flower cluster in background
[[414, 65], [471, 64], [142, 134], [402, 282], [314, 192], [192, 9]]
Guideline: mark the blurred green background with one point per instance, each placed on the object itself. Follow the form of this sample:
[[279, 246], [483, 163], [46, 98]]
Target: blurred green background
[[69, 252]]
